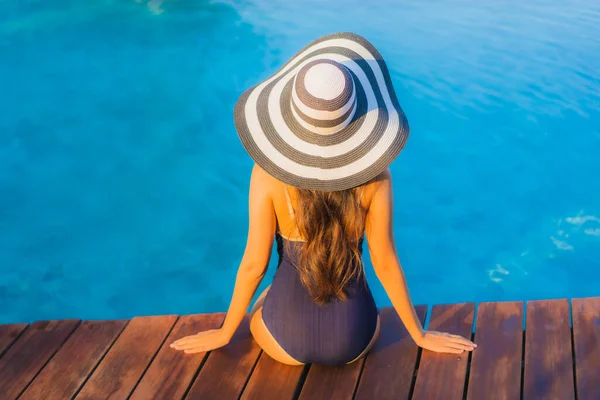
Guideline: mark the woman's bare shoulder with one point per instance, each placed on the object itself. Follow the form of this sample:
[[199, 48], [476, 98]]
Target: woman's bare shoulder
[[272, 184], [262, 178], [384, 178]]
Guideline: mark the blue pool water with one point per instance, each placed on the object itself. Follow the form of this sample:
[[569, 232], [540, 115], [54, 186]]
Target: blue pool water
[[123, 186]]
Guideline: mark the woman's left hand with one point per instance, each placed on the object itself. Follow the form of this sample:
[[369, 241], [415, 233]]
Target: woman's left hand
[[201, 342]]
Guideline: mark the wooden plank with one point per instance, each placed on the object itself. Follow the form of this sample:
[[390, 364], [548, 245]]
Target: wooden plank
[[227, 370], [389, 367], [64, 374], [441, 375], [496, 363], [273, 380], [331, 382], [586, 336], [8, 334], [548, 358], [124, 364], [26, 357], [172, 371]]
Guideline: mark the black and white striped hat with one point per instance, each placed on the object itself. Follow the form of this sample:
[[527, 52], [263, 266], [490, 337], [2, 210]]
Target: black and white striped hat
[[328, 119]]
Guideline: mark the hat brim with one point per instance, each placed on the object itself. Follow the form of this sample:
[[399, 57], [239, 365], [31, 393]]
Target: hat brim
[[343, 160]]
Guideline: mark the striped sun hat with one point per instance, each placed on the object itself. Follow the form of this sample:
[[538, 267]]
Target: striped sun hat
[[328, 119]]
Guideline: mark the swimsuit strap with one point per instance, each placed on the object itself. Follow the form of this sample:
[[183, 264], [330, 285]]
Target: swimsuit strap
[[289, 202], [291, 210]]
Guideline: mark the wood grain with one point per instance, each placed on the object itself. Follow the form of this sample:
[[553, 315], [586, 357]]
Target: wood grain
[[390, 365], [125, 363], [172, 371], [586, 337], [442, 376], [273, 380], [120, 359], [26, 357], [331, 382], [496, 362], [64, 374], [548, 366], [227, 370], [8, 334]]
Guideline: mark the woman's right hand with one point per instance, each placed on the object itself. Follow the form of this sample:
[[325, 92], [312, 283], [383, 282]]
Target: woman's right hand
[[441, 342]]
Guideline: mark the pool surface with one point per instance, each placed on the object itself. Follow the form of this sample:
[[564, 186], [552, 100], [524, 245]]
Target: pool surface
[[123, 185]]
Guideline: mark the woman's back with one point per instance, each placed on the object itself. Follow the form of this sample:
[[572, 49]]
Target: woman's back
[[285, 201], [332, 333]]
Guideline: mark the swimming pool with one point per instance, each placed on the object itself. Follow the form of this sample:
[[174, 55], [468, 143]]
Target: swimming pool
[[114, 203]]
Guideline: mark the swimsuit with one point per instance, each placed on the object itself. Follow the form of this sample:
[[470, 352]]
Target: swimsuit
[[333, 333]]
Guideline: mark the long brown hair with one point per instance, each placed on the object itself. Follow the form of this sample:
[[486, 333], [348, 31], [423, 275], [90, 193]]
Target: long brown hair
[[331, 225]]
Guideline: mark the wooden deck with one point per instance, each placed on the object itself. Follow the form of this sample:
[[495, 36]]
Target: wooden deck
[[551, 359]]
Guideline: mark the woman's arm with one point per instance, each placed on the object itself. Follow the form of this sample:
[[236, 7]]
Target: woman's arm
[[261, 231], [380, 237]]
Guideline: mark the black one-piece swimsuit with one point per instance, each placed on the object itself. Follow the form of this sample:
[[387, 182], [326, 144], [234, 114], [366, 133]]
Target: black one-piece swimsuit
[[333, 333]]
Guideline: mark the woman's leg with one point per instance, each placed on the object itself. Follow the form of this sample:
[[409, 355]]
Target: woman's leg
[[263, 337]]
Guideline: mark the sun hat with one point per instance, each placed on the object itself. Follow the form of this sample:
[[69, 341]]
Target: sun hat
[[328, 119]]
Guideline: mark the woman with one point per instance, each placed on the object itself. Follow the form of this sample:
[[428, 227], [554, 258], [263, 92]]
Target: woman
[[322, 132]]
